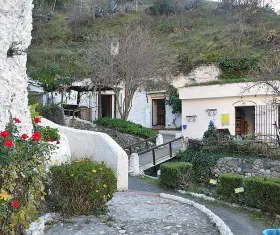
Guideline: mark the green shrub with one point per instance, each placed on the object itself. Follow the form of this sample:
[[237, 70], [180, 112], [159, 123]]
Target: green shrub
[[161, 7], [126, 127], [263, 193], [176, 175], [82, 187], [202, 163], [226, 186], [49, 133], [51, 112], [236, 68]]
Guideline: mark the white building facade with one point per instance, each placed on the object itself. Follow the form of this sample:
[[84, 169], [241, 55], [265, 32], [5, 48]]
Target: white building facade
[[241, 113], [148, 108]]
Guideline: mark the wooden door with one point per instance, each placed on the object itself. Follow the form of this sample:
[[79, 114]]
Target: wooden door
[[106, 103], [239, 121], [161, 112]]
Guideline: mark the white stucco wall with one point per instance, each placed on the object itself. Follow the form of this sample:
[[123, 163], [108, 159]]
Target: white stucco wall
[[140, 111], [96, 146], [224, 98], [15, 26]]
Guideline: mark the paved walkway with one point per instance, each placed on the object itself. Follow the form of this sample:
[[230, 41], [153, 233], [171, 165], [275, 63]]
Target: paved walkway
[[238, 220], [140, 213]]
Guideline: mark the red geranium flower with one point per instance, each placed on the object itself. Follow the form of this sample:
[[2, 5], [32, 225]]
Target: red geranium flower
[[57, 142], [24, 136], [4, 134], [17, 120], [16, 204], [36, 136], [37, 120], [9, 143], [48, 139]]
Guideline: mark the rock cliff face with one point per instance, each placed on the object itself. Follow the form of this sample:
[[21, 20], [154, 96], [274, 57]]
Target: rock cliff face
[[15, 37]]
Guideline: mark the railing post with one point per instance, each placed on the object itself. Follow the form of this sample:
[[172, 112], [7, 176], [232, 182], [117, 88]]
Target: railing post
[[147, 145], [134, 168], [154, 157], [130, 150], [159, 140], [170, 149]]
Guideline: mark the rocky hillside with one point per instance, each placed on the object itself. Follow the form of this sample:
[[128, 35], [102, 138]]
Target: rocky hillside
[[204, 35]]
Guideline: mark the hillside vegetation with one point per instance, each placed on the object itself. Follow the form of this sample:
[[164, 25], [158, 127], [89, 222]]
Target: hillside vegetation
[[204, 35]]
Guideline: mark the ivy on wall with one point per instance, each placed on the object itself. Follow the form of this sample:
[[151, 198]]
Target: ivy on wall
[[173, 100]]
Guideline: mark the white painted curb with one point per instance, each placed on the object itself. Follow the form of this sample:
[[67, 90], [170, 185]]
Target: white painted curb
[[198, 195], [38, 227], [223, 228]]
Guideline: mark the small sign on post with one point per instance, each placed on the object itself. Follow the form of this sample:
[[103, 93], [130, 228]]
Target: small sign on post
[[239, 190], [214, 182]]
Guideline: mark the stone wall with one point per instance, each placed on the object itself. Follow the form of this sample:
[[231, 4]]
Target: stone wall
[[96, 146], [15, 37], [258, 167]]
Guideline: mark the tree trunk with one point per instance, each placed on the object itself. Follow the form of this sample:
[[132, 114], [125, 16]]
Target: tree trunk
[[52, 5], [62, 96]]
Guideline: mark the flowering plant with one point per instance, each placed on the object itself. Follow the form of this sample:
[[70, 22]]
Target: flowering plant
[[23, 161]]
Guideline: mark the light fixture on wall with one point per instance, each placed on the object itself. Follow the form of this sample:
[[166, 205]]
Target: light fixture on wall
[[211, 112], [191, 118]]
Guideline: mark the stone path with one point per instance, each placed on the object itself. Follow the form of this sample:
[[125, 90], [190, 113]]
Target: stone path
[[140, 213], [238, 220]]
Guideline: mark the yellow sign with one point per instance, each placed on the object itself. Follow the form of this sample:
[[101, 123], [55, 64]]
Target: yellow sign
[[225, 119], [213, 181], [239, 190]]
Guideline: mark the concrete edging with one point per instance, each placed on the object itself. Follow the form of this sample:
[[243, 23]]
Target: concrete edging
[[223, 228]]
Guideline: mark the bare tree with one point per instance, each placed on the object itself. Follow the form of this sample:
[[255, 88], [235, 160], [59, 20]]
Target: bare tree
[[266, 76], [246, 11], [129, 62]]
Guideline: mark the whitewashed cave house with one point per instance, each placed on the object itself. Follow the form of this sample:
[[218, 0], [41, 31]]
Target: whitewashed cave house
[[149, 107], [232, 107]]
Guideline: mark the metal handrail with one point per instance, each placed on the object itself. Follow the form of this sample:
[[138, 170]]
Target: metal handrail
[[158, 146], [143, 141]]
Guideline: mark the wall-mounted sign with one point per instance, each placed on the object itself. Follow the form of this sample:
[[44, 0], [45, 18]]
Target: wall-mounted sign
[[225, 119]]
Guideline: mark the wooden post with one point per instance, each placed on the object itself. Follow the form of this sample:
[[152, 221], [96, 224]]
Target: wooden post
[[170, 149], [154, 157], [99, 103]]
